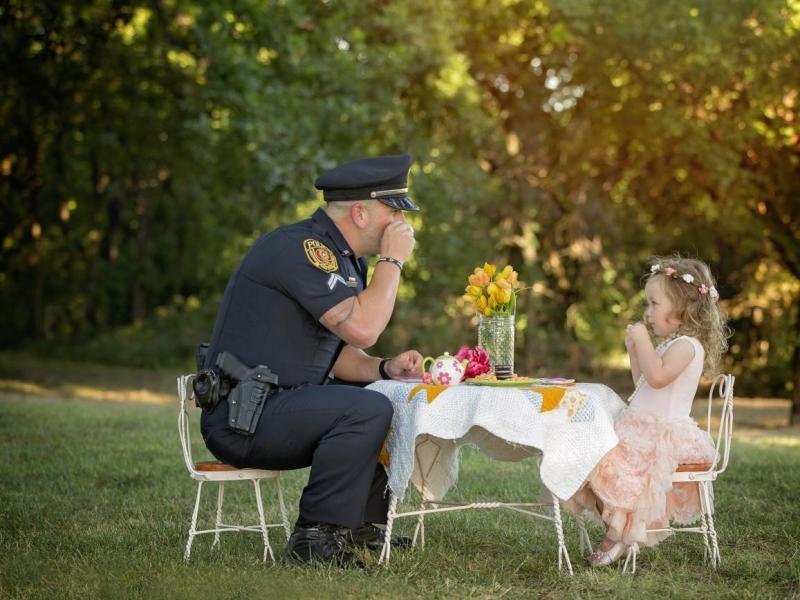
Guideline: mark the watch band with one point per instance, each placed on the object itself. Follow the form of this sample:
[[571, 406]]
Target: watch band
[[389, 259]]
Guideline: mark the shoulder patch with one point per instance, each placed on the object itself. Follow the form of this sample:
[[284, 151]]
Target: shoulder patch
[[320, 255]]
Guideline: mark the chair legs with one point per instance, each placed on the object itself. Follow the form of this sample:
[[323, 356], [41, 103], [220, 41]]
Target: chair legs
[[262, 523], [711, 553], [630, 559], [220, 527], [585, 542], [220, 499], [284, 516], [708, 553], [707, 506], [193, 525]]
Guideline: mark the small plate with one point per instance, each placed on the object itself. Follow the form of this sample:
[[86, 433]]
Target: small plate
[[519, 382], [554, 381]]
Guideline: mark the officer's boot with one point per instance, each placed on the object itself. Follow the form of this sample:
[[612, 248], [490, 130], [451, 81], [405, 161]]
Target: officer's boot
[[320, 544]]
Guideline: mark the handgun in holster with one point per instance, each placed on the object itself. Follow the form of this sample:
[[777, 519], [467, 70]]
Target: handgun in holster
[[252, 386]]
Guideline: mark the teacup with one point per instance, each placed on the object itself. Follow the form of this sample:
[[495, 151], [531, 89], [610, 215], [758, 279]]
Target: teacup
[[444, 369]]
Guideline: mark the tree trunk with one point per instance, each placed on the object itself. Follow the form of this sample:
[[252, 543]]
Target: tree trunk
[[794, 415], [35, 259], [138, 293]]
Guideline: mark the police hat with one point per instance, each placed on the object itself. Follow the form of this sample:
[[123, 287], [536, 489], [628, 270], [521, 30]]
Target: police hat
[[381, 178]]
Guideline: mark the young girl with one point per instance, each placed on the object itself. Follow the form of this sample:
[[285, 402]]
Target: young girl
[[631, 488]]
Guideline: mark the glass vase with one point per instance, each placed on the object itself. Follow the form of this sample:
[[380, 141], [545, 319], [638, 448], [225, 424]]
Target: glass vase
[[496, 336]]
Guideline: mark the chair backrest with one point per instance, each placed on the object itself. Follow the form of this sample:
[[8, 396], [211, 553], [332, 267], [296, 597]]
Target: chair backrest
[[722, 388], [185, 394]]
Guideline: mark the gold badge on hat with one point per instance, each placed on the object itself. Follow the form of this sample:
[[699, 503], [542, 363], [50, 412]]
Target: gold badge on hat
[[320, 255]]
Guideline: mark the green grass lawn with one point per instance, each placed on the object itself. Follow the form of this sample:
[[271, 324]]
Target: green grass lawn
[[95, 503]]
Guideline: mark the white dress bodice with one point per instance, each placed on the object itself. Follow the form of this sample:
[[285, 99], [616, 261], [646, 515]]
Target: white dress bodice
[[673, 401]]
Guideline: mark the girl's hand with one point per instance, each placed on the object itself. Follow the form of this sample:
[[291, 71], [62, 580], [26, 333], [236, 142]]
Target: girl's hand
[[629, 343], [635, 333]]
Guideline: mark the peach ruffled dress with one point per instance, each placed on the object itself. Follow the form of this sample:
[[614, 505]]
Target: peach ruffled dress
[[633, 481]]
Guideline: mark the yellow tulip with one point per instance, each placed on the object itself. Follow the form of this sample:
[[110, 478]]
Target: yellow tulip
[[492, 290], [473, 290], [501, 295]]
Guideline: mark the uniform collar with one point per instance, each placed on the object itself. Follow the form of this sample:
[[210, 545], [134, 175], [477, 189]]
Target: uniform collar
[[323, 225]]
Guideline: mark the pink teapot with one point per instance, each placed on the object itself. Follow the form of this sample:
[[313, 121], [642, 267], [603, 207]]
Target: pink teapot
[[443, 370]]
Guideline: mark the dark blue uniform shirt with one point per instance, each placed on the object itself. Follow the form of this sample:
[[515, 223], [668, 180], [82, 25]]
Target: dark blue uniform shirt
[[270, 312]]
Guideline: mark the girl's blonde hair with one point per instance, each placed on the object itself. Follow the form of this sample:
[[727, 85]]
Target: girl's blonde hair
[[691, 288]]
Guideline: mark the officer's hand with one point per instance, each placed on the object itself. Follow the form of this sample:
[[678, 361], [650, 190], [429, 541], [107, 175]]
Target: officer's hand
[[405, 366], [398, 240]]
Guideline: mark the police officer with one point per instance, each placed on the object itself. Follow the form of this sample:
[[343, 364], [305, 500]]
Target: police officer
[[299, 303]]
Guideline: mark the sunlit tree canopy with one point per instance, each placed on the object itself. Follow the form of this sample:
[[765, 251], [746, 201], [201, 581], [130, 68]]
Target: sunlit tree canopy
[[146, 145]]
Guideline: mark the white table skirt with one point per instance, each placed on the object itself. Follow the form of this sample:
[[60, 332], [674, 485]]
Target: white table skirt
[[506, 423]]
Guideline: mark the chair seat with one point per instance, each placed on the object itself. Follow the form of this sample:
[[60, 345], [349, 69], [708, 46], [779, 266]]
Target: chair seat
[[215, 470], [213, 465], [693, 467]]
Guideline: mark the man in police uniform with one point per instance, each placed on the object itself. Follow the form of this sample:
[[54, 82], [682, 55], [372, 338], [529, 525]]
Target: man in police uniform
[[299, 303]]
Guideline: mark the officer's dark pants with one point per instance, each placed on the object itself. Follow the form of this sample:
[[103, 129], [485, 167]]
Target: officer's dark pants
[[337, 430]]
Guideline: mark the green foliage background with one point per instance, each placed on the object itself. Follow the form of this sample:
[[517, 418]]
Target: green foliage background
[[145, 145]]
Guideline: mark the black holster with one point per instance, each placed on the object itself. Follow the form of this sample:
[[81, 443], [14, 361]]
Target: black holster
[[247, 397]]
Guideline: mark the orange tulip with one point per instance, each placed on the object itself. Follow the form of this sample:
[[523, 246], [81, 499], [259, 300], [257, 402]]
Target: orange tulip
[[479, 278]]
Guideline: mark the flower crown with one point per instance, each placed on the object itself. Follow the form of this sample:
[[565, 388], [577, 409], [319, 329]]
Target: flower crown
[[711, 291]]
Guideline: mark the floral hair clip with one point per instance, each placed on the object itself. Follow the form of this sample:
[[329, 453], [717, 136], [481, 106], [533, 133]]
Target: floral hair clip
[[704, 289]]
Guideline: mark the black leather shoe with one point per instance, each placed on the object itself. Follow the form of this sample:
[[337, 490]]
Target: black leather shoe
[[372, 537], [320, 545]]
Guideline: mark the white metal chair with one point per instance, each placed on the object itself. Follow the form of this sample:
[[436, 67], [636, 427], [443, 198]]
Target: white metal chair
[[704, 475], [215, 471]]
